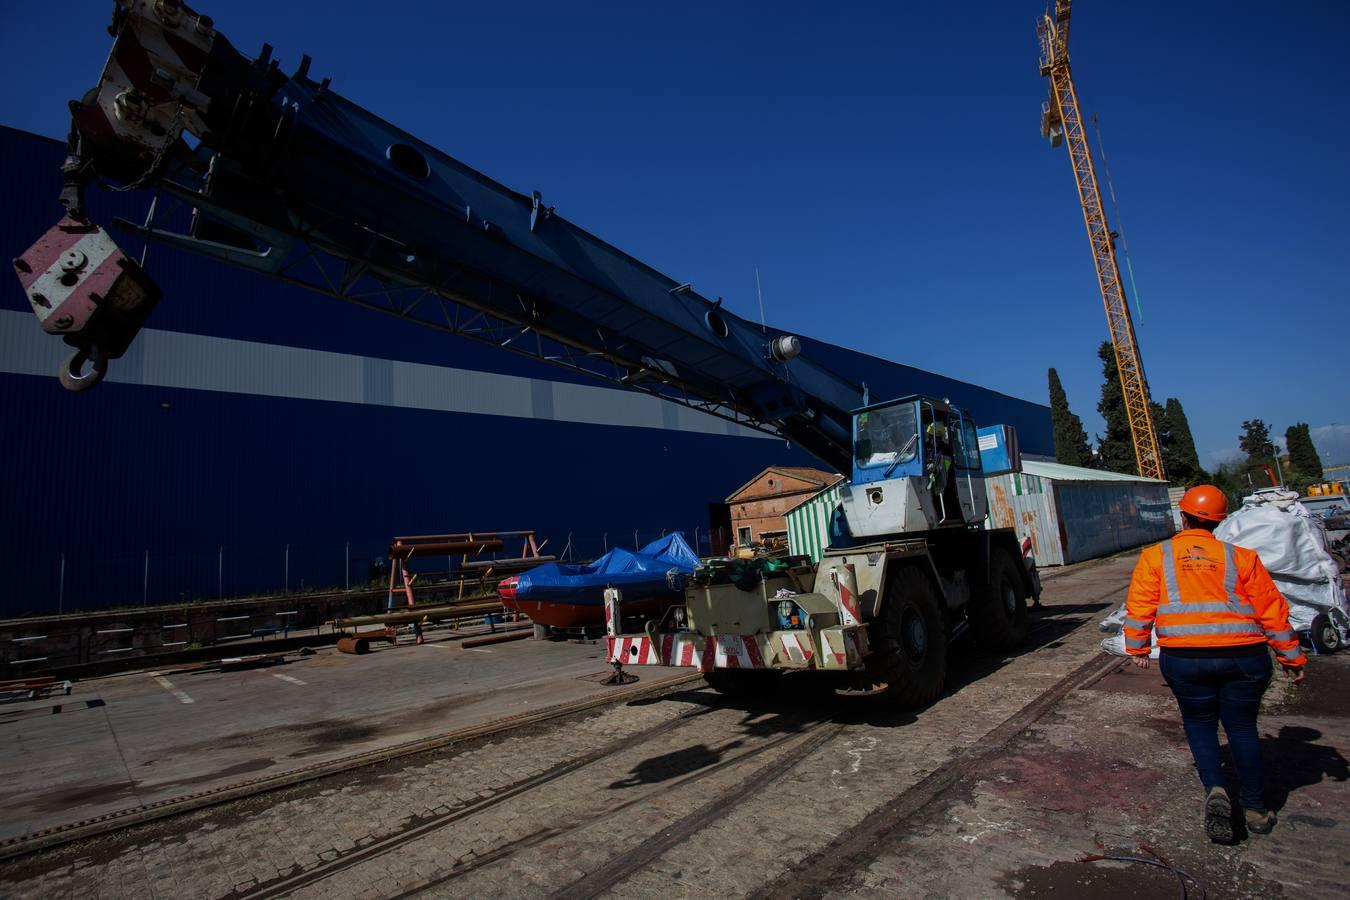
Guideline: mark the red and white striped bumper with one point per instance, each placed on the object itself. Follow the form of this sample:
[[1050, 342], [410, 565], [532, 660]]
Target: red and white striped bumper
[[840, 648]]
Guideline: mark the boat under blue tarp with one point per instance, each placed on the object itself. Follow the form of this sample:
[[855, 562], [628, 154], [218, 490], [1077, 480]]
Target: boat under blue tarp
[[565, 595]]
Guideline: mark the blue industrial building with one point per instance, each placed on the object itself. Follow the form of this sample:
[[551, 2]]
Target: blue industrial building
[[258, 436]]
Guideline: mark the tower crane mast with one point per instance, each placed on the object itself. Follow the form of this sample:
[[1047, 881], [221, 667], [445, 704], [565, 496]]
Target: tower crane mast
[[1062, 122]]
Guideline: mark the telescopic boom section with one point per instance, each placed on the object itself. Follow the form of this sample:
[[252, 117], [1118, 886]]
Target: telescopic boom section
[[1061, 120], [291, 180]]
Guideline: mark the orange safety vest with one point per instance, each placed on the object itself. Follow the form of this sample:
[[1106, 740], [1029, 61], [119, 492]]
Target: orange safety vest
[[1199, 591]]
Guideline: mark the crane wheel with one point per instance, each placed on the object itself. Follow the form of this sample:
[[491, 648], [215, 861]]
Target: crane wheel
[[1000, 618], [910, 642]]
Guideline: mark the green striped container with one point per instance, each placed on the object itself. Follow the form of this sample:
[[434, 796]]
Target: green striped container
[[808, 524]]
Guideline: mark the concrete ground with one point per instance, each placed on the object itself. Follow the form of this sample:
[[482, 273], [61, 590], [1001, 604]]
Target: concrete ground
[[1030, 763], [139, 738], [1108, 772]]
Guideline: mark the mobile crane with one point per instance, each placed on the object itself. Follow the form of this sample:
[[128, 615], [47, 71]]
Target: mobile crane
[[282, 175]]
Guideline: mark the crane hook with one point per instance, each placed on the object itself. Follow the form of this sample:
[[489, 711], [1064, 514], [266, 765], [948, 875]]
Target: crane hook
[[70, 373]]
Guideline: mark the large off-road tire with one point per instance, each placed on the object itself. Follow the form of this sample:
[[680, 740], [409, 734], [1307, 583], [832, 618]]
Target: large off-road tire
[[999, 618], [743, 682], [909, 642], [1324, 635]]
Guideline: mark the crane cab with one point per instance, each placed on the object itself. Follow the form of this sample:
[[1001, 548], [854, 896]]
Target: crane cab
[[916, 467]]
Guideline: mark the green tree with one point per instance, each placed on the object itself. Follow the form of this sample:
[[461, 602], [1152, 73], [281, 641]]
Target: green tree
[[1178, 447], [1255, 441], [1071, 443], [1302, 454], [1115, 449], [1232, 479]]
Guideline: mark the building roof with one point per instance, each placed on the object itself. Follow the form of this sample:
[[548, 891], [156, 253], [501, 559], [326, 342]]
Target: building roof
[[817, 478], [1060, 472], [812, 496]]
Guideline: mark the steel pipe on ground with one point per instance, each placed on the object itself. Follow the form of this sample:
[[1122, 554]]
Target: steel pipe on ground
[[434, 613], [353, 645]]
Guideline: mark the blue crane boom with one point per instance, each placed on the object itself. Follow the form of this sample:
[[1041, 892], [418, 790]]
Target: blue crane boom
[[280, 174], [284, 176]]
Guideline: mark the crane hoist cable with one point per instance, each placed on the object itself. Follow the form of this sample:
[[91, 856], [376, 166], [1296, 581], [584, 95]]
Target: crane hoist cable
[[1120, 223]]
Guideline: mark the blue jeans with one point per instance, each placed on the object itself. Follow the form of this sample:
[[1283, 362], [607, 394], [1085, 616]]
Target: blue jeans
[[1228, 690]]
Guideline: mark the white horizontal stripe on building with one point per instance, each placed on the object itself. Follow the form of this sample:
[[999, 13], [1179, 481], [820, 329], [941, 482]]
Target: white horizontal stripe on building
[[174, 359]]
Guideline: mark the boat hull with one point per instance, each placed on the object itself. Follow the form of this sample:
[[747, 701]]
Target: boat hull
[[583, 612]]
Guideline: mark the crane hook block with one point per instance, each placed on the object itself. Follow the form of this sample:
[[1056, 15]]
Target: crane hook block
[[82, 287]]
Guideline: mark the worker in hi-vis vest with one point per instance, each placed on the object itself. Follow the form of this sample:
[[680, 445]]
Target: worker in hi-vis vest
[[1214, 609]]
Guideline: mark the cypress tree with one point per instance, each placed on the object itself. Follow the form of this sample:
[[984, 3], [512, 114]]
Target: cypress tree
[[1071, 445], [1179, 456], [1115, 449], [1255, 441], [1302, 454]]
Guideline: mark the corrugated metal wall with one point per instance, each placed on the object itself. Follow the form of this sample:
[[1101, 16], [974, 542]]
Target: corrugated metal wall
[[1027, 503], [1101, 518], [808, 525], [191, 472]]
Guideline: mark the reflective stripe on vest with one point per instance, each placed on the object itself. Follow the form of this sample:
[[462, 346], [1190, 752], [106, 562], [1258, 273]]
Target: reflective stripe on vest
[[1136, 623], [1280, 635], [1293, 653], [1212, 628], [1172, 595]]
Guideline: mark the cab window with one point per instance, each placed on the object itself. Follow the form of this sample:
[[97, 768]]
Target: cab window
[[885, 436], [970, 445]]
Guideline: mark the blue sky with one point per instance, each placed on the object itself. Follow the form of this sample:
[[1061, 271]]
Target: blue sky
[[881, 165]]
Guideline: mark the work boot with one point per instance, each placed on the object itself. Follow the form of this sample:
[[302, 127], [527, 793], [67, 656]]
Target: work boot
[[1219, 816], [1259, 821]]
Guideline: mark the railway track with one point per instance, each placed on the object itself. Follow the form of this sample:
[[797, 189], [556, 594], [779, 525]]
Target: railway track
[[750, 759], [795, 746], [97, 826], [754, 769]]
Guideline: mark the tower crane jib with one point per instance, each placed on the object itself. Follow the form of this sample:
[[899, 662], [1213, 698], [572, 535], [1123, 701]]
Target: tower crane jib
[[1062, 122]]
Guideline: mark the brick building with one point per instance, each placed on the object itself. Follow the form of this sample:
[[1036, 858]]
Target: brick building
[[759, 507]]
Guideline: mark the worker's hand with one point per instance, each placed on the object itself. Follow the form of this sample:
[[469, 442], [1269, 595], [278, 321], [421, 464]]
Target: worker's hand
[[1295, 674], [1140, 662]]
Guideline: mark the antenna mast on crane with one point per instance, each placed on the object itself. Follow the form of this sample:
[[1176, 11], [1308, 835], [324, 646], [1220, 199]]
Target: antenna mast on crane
[[1061, 121]]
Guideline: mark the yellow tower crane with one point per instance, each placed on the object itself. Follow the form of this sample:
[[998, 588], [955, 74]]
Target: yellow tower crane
[[1062, 121]]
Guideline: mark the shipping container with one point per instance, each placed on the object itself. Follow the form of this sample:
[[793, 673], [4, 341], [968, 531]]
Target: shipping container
[[808, 524], [1072, 514]]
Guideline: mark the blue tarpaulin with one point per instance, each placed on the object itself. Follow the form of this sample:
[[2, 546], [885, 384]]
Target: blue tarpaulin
[[637, 574]]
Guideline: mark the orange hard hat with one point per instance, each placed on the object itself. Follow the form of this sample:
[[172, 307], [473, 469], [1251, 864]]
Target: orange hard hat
[[1205, 501]]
